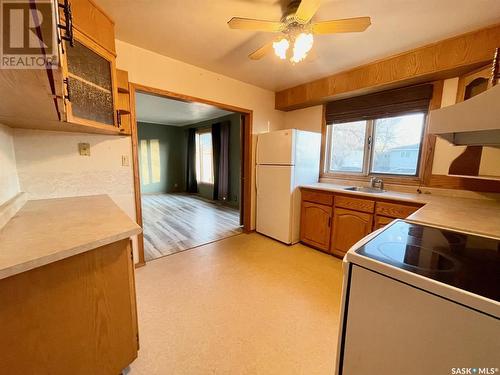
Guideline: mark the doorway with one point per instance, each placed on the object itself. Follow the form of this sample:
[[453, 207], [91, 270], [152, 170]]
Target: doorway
[[191, 162]]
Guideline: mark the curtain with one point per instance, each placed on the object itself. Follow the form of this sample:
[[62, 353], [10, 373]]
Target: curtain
[[191, 183], [220, 150]]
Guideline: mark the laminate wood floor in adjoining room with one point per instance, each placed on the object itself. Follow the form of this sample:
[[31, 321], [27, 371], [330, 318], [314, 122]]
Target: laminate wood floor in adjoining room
[[176, 222], [245, 305]]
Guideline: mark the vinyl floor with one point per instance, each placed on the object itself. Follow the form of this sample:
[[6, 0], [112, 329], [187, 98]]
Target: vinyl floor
[[245, 305], [176, 222]]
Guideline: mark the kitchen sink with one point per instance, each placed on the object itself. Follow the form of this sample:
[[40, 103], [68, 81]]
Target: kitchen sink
[[364, 189]]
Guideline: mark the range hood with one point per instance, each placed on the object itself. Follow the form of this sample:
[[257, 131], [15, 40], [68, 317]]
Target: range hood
[[474, 122]]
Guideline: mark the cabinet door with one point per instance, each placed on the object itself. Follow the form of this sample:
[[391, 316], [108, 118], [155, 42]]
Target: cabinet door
[[315, 224], [91, 84], [348, 228], [381, 221]]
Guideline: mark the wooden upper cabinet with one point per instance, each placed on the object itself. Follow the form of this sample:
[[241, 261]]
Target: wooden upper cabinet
[[94, 23], [91, 90], [474, 83], [348, 228], [78, 94], [315, 224]]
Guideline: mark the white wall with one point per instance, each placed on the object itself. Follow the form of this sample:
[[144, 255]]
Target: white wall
[[9, 182], [151, 69], [309, 119], [50, 166]]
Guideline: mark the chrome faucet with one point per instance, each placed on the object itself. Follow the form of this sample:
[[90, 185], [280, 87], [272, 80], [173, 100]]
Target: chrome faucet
[[377, 183]]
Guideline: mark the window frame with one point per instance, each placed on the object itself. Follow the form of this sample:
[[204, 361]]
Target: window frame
[[366, 173], [199, 132]]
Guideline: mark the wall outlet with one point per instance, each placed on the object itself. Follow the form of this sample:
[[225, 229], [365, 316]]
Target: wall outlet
[[125, 161], [84, 149]]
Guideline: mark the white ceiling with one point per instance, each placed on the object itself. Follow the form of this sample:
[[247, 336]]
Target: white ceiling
[[195, 31], [157, 110]]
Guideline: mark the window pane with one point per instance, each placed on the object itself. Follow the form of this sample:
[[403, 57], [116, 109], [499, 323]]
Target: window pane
[[155, 160], [144, 161], [347, 146], [397, 142], [204, 158]]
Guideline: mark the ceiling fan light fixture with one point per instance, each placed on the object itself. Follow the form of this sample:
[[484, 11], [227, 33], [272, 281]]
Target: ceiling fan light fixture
[[281, 47], [302, 45]]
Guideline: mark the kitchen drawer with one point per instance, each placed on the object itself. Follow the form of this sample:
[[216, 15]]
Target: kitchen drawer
[[381, 221], [356, 204], [395, 210], [317, 197]]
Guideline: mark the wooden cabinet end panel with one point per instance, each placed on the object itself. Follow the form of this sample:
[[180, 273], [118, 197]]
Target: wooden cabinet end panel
[[75, 316]]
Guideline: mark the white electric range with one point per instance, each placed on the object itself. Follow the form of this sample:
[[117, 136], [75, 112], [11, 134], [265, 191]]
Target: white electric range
[[420, 300]]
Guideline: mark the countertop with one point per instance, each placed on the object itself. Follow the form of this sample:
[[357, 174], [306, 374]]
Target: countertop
[[48, 230], [475, 216]]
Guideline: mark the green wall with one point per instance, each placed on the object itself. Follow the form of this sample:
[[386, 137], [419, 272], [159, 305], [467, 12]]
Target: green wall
[[234, 156], [171, 171], [172, 156]]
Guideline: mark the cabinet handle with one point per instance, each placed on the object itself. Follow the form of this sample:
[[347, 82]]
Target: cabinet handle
[[68, 28], [68, 90], [118, 118]]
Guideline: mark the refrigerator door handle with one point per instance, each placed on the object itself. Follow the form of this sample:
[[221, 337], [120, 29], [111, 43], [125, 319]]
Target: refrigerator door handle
[[257, 180], [257, 151], [256, 166]]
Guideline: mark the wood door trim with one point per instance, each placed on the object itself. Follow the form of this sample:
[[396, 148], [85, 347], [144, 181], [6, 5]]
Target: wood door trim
[[246, 173]]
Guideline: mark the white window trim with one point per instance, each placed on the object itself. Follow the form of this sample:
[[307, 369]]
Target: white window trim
[[368, 153]]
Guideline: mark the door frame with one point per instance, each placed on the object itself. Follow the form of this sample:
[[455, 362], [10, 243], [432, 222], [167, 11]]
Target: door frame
[[246, 145]]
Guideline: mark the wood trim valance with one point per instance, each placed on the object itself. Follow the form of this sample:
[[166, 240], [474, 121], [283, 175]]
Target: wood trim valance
[[381, 104]]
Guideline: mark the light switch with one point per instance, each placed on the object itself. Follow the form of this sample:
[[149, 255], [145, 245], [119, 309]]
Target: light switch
[[125, 161], [84, 149]]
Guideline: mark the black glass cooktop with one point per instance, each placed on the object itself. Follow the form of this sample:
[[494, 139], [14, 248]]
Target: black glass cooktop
[[468, 262]]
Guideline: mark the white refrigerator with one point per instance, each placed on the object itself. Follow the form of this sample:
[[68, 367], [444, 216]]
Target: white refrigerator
[[286, 159]]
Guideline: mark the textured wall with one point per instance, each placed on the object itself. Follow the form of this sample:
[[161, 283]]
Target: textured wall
[[49, 166], [9, 183]]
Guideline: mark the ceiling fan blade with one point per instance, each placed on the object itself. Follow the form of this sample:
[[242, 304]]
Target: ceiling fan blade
[[256, 25], [306, 10], [261, 52], [348, 25]]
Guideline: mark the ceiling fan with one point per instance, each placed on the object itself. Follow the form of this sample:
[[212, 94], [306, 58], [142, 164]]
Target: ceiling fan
[[297, 30]]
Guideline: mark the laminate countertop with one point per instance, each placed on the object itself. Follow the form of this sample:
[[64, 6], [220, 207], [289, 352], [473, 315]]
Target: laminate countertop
[[48, 230], [475, 216]]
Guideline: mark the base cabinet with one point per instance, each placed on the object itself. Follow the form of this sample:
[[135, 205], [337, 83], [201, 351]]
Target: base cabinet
[[315, 224], [348, 228], [333, 222], [381, 221], [74, 316]]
